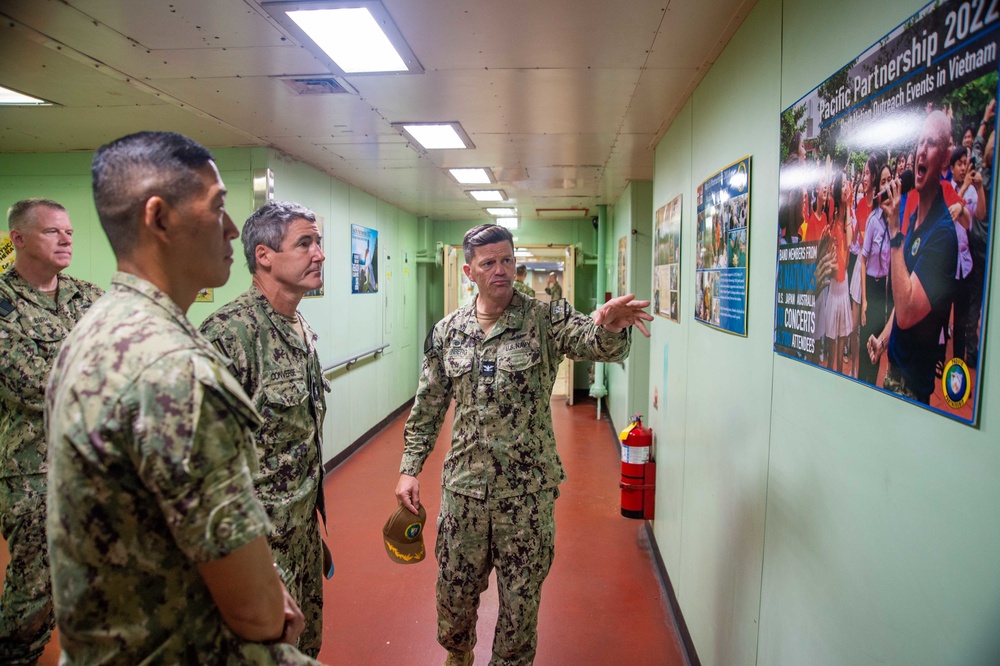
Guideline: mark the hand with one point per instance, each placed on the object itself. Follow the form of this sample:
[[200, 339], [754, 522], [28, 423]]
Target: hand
[[295, 622], [890, 207], [619, 313], [875, 348], [408, 492], [977, 179], [991, 111]]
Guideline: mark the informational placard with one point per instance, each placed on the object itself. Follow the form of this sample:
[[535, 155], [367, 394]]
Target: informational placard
[[885, 207], [364, 260], [667, 260], [722, 247], [6, 251]]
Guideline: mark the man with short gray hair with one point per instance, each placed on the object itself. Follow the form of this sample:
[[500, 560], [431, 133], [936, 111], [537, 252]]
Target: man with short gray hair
[[38, 308], [274, 358]]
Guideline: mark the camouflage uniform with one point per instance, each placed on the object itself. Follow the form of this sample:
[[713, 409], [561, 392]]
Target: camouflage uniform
[[32, 328], [282, 375], [555, 291], [502, 473], [149, 475], [524, 288]]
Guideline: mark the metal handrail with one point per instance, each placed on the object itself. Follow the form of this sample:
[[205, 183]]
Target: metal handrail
[[354, 358]]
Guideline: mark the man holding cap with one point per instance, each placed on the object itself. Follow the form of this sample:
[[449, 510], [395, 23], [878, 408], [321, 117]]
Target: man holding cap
[[498, 357]]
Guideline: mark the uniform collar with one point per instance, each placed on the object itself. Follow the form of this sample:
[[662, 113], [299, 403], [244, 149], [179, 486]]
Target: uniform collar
[[510, 319], [65, 286], [280, 323], [130, 282]]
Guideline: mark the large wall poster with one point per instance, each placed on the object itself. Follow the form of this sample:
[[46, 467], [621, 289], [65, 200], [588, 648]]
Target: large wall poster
[[667, 259], [364, 260], [722, 246], [886, 173]]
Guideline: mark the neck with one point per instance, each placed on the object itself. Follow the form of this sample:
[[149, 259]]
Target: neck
[[152, 271], [39, 278], [283, 301], [924, 204], [487, 306]]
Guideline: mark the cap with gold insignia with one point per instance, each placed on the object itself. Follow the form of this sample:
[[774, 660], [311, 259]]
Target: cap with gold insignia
[[403, 535]]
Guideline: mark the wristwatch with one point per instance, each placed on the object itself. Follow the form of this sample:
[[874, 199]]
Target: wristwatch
[[897, 240]]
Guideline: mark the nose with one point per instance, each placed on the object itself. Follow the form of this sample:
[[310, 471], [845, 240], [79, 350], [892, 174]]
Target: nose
[[229, 230]]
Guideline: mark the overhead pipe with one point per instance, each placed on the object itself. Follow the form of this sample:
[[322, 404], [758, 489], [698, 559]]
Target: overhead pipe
[[598, 389]]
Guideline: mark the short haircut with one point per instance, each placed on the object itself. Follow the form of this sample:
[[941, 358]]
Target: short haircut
[[267, 226], [484, 234], [22, 213], [957, 154], [521, 270], [130, 170]]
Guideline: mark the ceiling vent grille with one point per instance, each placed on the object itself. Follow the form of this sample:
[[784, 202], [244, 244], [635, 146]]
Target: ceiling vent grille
[[317, 86]]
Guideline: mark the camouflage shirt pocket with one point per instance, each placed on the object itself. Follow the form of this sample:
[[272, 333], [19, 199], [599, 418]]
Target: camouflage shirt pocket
[[517, 372], [457, 363], [285, 394]]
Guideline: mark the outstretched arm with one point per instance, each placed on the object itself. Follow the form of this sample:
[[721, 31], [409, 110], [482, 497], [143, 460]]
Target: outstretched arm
[[619, 313]]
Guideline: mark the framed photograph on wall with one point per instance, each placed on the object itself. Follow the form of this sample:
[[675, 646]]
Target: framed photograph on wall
[[722, 248], [885, 212], [667, 260], [364, 260]]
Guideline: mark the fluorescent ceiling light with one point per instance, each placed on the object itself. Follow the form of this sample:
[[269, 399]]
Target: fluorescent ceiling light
[[436, 136], [509, 222], [356, 37], [10, 97], [488, 195], [502, 212], [476, 176]]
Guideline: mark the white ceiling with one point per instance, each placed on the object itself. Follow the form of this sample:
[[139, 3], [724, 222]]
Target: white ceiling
[[564, 99]]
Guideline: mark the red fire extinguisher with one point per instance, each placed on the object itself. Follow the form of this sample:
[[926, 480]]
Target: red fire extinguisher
[[638, 482]]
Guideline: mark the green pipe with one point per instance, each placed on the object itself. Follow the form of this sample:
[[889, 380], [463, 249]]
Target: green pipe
[[598, 389]]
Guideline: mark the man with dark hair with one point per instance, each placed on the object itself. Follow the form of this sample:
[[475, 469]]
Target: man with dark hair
[[498, 357], [923, 264], [519, 284], [38, 308], [274, 357], [156, 536]]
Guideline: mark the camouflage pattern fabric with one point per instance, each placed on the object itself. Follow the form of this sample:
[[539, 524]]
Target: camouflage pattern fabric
[[150, 454], [522, 287], [32, 328], [502, 473], [502, 440], [516, 535], [282, 375], [555, 291]]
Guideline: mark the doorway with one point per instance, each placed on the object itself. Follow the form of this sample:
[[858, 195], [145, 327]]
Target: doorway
[[541, 262]]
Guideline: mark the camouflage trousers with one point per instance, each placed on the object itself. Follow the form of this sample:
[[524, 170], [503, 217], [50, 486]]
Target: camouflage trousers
[[514, 535], [26, 613], [298, 552]]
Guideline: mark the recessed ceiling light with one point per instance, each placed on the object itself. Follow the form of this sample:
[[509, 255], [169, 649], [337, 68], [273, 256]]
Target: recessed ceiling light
[[502, 212], [509, 222], [356, 37], [436, 136], [488, 195], [475, 176], [10, 97]]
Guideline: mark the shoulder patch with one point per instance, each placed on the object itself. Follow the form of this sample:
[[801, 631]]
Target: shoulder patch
[[6, 307], [429, 342], [558, 311]]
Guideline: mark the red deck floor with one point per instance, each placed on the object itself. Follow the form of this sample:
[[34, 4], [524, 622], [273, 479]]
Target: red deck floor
[[602, 603]]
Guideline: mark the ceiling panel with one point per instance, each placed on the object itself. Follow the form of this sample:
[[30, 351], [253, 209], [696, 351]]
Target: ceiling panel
[[564, 99]]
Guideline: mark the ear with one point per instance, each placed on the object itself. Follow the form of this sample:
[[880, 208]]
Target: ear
[[262, 254], [17, 238], [467, 270], [155, 218]]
